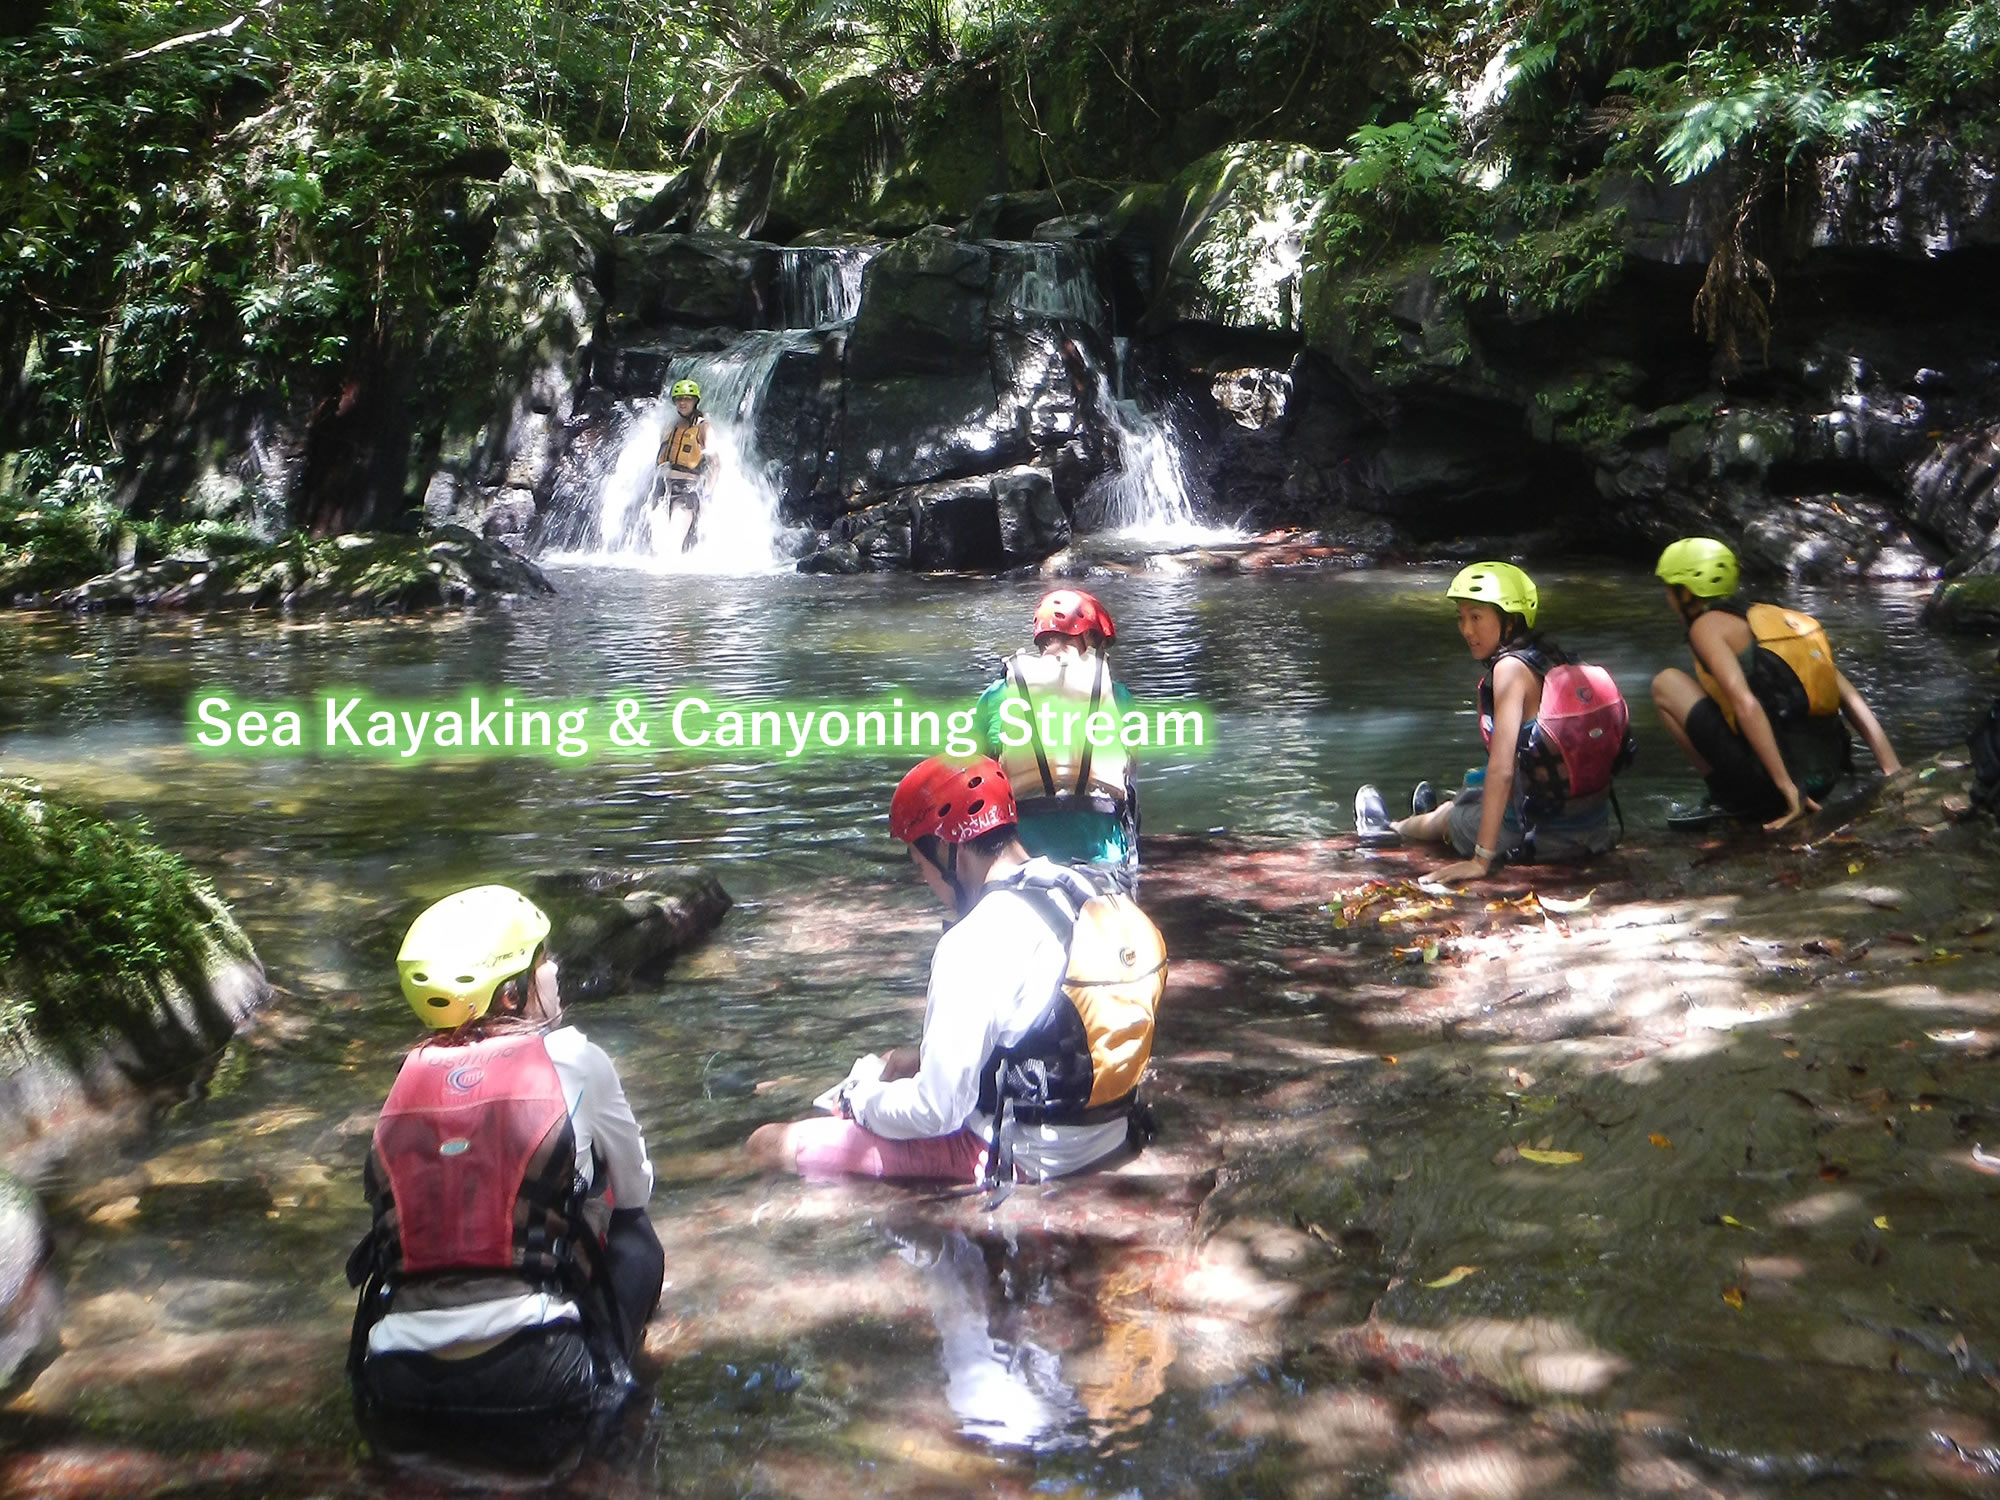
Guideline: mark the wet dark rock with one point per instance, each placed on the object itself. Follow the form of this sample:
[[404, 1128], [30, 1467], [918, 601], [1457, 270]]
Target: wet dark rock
[[692, 279], [1966, 606], [923, 310], [834, 557], [1032, 521], [613, 929], [358, 573]]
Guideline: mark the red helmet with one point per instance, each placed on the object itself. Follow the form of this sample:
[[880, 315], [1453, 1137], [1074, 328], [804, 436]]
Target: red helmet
[[955, 800], [1072, 612]]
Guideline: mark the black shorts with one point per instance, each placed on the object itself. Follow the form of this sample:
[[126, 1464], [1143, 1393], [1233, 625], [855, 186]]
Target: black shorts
[[1815, 751], [531, 1403]]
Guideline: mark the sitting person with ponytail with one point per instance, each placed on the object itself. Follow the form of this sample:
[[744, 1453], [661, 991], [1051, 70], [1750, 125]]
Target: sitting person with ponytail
[[1556, 731], [511, 1267]]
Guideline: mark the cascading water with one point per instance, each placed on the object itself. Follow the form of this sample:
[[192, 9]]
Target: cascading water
[[611, 518], [1148, 498], [821, 286], [739, 524]]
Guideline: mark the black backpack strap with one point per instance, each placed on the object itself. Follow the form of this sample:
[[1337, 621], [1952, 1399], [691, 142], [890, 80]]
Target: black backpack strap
[[1096, 693], [1020, 680]]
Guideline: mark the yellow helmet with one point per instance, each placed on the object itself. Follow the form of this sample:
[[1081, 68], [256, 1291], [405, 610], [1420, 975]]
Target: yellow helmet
[[1499, 584], [464, 948], [1701, 565]]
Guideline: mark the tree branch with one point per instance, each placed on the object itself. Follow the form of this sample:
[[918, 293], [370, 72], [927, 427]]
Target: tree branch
[[187, 39]]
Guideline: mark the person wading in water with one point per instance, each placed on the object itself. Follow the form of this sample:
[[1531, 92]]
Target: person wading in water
[[684, 471], [511, 1266]]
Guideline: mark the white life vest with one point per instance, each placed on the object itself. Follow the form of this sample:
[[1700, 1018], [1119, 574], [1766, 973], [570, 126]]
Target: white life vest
[[1065, 771]]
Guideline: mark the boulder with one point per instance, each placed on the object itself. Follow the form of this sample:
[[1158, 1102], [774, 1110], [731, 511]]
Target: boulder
[[359, 573], [125, 973], [30, 1293], [923, 310], [1032, 521], [612, 929], [1228, 237], [698, 280]]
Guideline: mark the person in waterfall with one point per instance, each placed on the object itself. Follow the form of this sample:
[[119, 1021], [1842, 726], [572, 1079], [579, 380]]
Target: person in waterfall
[[1038, 1023], [511, 1266], [1038, 720], [1556, 731], [684, 472], [1766, 715]]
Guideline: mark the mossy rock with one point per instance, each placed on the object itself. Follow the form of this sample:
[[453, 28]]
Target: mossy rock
[[362, 573], [1229, 236], [44, 550], [110, 947], [1966, 606]]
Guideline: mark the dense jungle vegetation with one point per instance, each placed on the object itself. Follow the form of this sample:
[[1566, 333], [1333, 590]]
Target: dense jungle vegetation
[[203, 197]]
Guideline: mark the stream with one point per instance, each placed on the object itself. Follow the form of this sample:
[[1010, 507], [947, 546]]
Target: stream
[[861, 1340]]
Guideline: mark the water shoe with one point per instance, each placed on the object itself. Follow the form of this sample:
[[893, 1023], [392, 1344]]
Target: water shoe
[[1371, 818]]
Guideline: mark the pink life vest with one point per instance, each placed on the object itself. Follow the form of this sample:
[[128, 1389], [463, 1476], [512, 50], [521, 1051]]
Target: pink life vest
[[457, 1138], [1580, 737]]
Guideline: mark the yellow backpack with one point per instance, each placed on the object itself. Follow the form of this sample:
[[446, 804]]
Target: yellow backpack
[[1797, 640], [1117, 974]]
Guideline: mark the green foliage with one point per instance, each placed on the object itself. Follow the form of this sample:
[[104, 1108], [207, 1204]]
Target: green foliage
[[99, 929], [1561, 269]]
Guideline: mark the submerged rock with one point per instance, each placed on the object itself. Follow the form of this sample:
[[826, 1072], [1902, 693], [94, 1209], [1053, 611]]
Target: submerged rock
[[614, 928], [363, 573]]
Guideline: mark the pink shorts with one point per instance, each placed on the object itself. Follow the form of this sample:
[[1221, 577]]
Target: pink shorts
[[831, 1147]]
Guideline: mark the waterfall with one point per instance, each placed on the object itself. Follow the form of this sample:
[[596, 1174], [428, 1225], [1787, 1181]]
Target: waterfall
[[1047, 281], [1148, 497], [821, 286], [608, 519]]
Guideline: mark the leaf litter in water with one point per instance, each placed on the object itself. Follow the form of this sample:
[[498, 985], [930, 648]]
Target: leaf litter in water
[[1454, 1276], [1550, 1158], [1733, 1295], [1661, 1141]]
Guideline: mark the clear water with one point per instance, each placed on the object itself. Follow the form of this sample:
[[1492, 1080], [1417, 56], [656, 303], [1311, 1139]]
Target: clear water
[[843, 1341]]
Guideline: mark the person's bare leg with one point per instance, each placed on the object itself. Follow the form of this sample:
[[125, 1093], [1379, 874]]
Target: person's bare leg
[[772, 1148], [1426, 828], [1675, 695]]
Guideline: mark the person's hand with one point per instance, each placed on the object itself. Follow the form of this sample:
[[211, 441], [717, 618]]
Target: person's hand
[[1465, 869], [1800, 807], [867, 1069]]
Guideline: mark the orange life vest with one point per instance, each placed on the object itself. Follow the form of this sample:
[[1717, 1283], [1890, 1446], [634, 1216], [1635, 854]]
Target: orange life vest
[[685, 445]]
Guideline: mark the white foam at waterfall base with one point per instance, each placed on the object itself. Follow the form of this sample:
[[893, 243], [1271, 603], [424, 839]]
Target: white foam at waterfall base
[[739, 526], [1148, 500]]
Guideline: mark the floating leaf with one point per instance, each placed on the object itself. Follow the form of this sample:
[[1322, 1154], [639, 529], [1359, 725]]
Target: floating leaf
[[1567, 908], [1881, 1221], [1855, 868], [1661, 1141], [1454, 1276], [1389, 1058], [1732, 1221], [1551, 1158], [1733, 1295]]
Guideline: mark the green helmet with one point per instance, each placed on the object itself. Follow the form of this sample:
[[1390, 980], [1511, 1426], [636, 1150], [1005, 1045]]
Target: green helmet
[[686, 388], [1499, 584], [1701, 565], [464, 948]]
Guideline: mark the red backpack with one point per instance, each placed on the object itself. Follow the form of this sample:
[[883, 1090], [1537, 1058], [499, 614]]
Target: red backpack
[[1579, 740]]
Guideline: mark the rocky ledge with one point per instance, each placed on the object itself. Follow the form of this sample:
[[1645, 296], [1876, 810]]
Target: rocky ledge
[[364, 573]]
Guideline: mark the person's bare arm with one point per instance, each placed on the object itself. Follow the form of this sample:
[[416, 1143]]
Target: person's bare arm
[[901, 1062], [1510, 695], [1711, 646], [1858, 713]]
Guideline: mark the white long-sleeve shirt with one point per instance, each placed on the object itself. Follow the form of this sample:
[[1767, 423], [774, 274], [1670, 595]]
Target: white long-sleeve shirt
[[992, 977], [605, 1130]]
